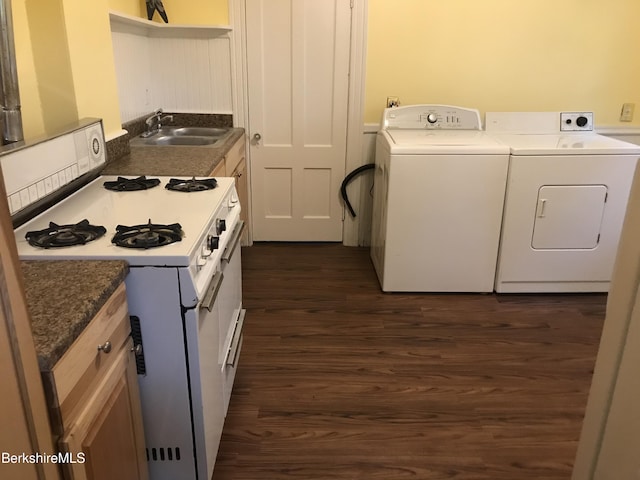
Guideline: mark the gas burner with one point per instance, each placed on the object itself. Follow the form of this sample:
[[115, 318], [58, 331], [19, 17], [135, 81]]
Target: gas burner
[[123, 184], [57, 236], [147, 236], [191, 185]]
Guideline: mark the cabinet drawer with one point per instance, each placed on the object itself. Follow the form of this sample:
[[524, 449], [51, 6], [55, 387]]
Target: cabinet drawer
[[234, 156], [83, 366]]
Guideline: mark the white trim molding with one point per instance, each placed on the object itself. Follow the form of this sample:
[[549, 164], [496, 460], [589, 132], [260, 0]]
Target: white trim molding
[[353, 229]]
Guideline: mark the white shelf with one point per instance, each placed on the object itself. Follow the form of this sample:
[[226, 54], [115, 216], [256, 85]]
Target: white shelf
[[140, 26]]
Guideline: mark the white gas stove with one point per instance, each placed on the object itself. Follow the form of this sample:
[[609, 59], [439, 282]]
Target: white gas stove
[[202, 215], [184, 287]]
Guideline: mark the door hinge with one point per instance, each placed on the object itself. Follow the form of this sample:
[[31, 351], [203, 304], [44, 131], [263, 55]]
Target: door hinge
[[606, 195], [351, 3]]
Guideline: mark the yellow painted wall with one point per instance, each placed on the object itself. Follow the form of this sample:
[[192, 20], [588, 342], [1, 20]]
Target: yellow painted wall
[[52, 67], [29, 95], [180, 12], [135, 8], [65, 64], [196, 12], [505, 55], [92, 63]]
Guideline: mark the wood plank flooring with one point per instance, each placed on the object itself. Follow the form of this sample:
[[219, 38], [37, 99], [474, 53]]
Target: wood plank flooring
[[338, 380]]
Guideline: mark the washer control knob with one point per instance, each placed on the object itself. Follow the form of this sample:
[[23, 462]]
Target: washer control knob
[[432, 118], [581, 121], [221, 225]]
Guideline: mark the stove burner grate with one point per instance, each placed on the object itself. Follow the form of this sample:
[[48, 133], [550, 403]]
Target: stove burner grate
[[123, 184], [57, 236], [191, 185], [147, 236]]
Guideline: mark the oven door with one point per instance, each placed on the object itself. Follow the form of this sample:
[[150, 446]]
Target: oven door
[[231, 312], [205, 375]]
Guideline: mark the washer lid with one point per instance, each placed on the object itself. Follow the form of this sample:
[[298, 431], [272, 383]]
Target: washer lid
[[566, 144], [450, 142]]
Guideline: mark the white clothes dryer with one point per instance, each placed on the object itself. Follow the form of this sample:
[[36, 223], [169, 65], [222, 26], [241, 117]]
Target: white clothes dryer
[[565, 203], [438, 198]]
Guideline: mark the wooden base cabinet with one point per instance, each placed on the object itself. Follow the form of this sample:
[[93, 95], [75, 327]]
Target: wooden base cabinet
[[97, 400]]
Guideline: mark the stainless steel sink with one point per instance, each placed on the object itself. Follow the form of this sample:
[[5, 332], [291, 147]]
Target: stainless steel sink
[[195, 131], [175, 140], [190, 136]]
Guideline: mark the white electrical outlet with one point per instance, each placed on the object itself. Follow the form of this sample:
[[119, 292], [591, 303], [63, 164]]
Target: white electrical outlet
[[576, 121], [392, 102], [626, 114]]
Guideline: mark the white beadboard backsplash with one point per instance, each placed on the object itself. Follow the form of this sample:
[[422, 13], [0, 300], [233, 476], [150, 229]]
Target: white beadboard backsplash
[[189, 75]]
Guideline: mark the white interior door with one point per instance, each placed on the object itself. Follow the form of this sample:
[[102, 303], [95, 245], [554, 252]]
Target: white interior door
[[298, 67]]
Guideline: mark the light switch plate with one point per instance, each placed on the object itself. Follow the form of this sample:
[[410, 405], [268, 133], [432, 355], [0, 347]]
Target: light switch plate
[[576, 121]]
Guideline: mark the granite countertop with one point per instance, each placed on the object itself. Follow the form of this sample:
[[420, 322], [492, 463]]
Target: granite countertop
[[62, 297], [172, 160]]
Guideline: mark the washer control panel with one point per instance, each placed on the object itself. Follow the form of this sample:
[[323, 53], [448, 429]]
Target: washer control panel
[[576, 121], [443, 117]]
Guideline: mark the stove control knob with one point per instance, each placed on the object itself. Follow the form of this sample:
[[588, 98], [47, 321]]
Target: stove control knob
[[213, 242], [582, 121], [432, 118], [221, 226]]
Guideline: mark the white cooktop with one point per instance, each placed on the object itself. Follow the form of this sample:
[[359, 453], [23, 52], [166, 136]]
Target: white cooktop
[[571, 143], [193, 211]]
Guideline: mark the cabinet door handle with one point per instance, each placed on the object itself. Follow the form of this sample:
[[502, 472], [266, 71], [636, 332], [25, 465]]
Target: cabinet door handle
[[105, 347]]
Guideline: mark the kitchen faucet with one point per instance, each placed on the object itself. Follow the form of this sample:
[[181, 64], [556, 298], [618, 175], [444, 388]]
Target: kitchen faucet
[[154, 122]]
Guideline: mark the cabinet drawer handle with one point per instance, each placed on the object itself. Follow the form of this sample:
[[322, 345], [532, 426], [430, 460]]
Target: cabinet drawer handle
[[105, 347]]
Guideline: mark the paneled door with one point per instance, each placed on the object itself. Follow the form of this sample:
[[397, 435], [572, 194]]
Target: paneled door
[[298, 69]]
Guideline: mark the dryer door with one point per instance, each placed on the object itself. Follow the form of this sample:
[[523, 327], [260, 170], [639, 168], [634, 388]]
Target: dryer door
[[568, 217]]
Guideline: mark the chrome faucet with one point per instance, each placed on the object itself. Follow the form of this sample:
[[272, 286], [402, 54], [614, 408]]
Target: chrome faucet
[[154, 122]]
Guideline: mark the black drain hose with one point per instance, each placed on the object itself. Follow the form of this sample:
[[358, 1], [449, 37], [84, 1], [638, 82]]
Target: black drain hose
[[347, 179]]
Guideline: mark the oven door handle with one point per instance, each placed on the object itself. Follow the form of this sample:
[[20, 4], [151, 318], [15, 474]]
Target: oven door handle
[[211, 294], [234, 348], [233, 243]]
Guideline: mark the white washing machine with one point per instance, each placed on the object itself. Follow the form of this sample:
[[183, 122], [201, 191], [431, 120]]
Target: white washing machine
[[438, 198], [566, 199]]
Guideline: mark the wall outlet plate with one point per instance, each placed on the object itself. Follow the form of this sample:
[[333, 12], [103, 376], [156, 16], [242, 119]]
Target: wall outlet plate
[[626, 114], [392, 102], [576, 121]]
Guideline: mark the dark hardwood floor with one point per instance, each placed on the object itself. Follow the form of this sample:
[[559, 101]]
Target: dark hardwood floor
[[338, 380]]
